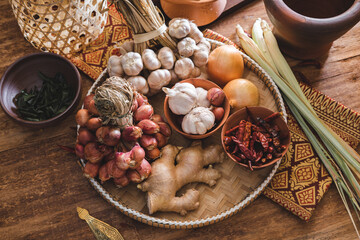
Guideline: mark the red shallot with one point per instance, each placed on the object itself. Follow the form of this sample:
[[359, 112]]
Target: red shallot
[[108, 135], [131, 133], [148, 142], [82, 116], [148, 126], [143, 112]]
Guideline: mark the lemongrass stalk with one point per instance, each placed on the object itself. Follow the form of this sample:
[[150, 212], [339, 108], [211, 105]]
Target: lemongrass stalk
[[258, 37]]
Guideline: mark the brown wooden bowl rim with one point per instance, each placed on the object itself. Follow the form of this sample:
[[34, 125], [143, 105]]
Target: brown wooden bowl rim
[[263, 165], [50, 120], [226, 106]]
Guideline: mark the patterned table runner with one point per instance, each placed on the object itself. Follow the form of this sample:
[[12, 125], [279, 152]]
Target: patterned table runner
[[301, 180]]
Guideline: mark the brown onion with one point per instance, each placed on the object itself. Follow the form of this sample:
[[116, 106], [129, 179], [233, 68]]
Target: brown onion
[[161, 140], [122, 181], [92, 152], [152, 154], [108, 135], [82, 116], [131, 133], [219, 113], [91, 170], [148, 142], [165, 129], [143, 112], [87, 100], [94, 123], [216, 96], [148, 126], [85, 136], [157, 118]]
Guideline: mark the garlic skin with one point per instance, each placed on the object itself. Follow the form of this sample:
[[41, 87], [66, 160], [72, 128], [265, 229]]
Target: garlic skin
[[182, 98], [132, 63], [114, 66], [195, 33], [179, 28], [186, 47], [150, 59], [159, 78], [198, 121], [183, 68], [202, 100], [166, 57], [140, 84]]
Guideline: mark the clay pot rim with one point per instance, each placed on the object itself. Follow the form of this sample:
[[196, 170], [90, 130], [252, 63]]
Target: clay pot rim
[[304, 20]]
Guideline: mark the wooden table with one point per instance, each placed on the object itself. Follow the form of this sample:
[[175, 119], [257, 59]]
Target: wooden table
[[41, 185]]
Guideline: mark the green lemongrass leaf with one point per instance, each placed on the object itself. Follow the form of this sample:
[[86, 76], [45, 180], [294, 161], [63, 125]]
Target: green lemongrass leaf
[[258, 37]]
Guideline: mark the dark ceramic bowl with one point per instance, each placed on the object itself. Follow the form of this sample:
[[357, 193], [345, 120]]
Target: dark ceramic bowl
[[23, 74], [262, 112], [175, 120]]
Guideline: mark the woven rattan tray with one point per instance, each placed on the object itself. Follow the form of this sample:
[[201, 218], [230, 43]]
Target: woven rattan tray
[[236, 189]]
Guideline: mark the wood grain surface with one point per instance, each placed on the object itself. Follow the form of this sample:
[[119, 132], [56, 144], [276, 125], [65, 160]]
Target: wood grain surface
[[41, 185]]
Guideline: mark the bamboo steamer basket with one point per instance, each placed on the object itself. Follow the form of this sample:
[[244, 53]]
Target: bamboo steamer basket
[[60, 26], [237, 187]]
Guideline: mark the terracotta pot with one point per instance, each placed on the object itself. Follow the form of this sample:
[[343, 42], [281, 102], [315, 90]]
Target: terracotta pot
[[202, 12], [305, 29]]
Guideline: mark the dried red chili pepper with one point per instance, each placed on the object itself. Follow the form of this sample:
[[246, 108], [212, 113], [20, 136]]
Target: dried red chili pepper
[[250, 165], [228, 132], [227, 140], [272, 117], [241, 130], [247, 134], [263, 140]]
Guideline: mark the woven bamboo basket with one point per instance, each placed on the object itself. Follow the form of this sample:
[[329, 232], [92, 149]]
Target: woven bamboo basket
[[60, 26], [237, 187]]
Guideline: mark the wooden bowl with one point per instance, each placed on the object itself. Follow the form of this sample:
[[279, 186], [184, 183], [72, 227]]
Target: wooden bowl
[[175, 120], [23, 74], [262, 112]]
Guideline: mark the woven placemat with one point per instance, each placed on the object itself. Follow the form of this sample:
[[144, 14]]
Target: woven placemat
[[301, 180]]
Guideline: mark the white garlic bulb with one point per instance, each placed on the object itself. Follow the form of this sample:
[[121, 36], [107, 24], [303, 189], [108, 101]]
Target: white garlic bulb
[[204, 45], [150, 60], [183, 68], [132, 63], [114, 66], [179, 28], [198, 121], [159, 78], [202, 100], [182, 98], [195, 33], [196, 72], [140, 84], [200, 57], [186, 47], [174, 77], [166, 57]]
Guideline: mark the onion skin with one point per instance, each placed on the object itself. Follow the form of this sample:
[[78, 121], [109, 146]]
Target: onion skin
[[108, 135], [82, 117], [148, 142], [143, 112], [85, 136], [241, 93], [216, 96], [122, 181], [131, 133], [94, 123], [225, 63], [148, 126]]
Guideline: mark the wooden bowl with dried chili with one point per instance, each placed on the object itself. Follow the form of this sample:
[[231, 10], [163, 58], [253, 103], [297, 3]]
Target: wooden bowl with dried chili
[[255, 137]]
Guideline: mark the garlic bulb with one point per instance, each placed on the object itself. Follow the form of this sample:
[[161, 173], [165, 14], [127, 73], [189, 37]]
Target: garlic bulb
[[183, 68], [150, 60], [195, 33], [204, 45], [196, 72], [159, 78], [128, 46], [198, 121], [114, 66], [174, 77], [202, 100], [166, 57], [132, 63], [179, 28], [186, 47], [140, 84], [182, 98], [200, 57]]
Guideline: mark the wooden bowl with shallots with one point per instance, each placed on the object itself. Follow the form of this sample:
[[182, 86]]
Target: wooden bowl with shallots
[[263, 152], [175, 120]]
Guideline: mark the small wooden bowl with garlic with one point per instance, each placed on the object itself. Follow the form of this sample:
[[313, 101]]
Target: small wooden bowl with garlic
[[176, 120]]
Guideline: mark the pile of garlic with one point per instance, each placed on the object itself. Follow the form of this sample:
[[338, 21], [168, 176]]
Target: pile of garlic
[[201, 108], [151, 71]]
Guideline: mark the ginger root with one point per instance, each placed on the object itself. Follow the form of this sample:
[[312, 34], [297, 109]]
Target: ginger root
[[166, 178]]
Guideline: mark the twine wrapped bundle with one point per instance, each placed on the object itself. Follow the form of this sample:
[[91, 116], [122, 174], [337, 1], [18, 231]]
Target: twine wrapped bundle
[[60, 26], [146, 22]]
